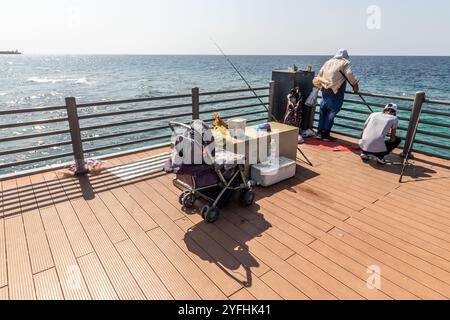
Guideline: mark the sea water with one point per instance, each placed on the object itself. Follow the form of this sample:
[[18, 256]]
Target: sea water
[[29, 81]]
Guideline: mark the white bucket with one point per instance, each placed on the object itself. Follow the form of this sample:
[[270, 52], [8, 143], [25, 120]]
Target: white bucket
[[236, 127]]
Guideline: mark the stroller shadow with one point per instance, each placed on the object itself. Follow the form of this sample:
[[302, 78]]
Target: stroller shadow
[[225, 242]]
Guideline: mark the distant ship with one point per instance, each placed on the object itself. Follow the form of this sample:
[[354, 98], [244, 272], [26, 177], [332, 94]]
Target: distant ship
[[10, 52]]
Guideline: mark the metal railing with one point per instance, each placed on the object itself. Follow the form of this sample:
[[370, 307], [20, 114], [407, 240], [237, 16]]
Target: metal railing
[[91, 129], [87, 130], [350, 121]]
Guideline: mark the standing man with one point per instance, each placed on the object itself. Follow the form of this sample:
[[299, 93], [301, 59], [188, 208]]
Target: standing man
[[333, 79], [377, 127]]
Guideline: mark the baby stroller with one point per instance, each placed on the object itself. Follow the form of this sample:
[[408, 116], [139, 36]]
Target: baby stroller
[[204, 172]]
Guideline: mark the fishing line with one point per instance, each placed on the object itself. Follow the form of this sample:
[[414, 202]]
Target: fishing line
[[254, 92]]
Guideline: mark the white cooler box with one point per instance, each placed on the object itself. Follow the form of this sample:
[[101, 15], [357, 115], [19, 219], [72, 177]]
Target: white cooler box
[[267, 175]]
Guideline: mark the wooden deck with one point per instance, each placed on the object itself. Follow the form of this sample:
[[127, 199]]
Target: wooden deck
[[123, 235]]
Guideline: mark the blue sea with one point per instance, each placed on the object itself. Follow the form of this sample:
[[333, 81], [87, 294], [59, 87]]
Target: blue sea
[[29, 81]]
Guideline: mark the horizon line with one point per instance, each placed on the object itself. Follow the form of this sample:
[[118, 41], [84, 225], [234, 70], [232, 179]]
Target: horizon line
[[239, 54]]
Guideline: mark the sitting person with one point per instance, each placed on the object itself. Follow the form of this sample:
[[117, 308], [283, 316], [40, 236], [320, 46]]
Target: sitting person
[[376, 128]]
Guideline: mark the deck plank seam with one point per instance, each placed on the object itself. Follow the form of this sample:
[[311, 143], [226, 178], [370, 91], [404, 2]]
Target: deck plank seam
[[412, 227], [411, 232], [43, 225], [63, 189], [65, 233], [393, 267], [405, 252], [362, 265], [293, 267], [395, 234], [68, 200], [418, 257], [4, 237], [26, 243], [162, 251]]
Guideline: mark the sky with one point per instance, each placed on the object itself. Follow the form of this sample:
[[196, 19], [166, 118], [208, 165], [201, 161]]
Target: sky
[[266, 27]]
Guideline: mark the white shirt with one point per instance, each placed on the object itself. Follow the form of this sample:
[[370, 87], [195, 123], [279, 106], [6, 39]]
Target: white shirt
[[376, 129], [330, 75]]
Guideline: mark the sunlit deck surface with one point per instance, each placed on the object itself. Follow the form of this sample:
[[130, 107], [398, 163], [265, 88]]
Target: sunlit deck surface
[[123, 235]]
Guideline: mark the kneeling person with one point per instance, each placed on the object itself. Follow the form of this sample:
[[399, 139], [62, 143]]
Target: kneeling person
[[376, 128]]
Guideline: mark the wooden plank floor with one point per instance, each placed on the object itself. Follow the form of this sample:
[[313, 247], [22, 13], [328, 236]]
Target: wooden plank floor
[[342, 229]]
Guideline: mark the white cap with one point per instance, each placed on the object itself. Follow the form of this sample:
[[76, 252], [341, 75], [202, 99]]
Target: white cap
[[391, 106]]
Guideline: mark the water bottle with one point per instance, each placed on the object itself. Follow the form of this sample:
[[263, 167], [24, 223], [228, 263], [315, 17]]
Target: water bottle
[[273, 152]]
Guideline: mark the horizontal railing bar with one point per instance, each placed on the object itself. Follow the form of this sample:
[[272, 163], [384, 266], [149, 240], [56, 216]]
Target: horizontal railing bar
[[244, 114], [114, 102], [356, 111], [429, 133], [233, 108], [432, 144], [256, 120], [378, 105], [21, 163], [118, 113], [356, 119], [431, 123], [444, 103], [127, 143], [32, 123], [343, 125], [211, 93], [29, 110], [33, 148], [434, 134], [436, 113], [377, 95], [34, 135], [233, 99], [121, 134], [117, 124], [431, 154], [343, 133]]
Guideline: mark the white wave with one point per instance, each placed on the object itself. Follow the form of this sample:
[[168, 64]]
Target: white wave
[[83, 81], [43, 80], [2, 94]]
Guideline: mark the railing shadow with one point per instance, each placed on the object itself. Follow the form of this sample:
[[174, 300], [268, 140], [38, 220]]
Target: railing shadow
[[56, 189]]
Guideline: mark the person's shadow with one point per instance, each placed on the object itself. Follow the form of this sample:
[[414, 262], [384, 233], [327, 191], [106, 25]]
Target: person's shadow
[[224, 243]]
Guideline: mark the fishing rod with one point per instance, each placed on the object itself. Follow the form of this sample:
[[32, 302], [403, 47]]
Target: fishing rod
[[362, 98], [256, 95], [408, 154], [243, 79]]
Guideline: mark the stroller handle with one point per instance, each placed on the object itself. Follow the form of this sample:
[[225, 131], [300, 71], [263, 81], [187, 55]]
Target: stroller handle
[[173, 124]]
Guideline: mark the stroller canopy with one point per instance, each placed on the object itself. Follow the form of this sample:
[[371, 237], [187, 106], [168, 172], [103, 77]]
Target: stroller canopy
[[194, 147]]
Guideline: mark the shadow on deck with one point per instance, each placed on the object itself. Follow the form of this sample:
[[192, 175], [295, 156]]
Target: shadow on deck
[[342, 229]]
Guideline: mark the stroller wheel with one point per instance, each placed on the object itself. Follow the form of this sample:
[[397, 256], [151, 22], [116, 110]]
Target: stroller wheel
[[189, 200], [210, 214], [180, 199], [247, 197]]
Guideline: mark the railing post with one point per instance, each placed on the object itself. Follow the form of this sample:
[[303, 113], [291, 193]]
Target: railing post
[[271, 100], [195, 103], [413, 122], [75, 134]]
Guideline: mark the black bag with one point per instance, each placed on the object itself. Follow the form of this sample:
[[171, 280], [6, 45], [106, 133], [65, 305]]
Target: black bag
[[293, 116]]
